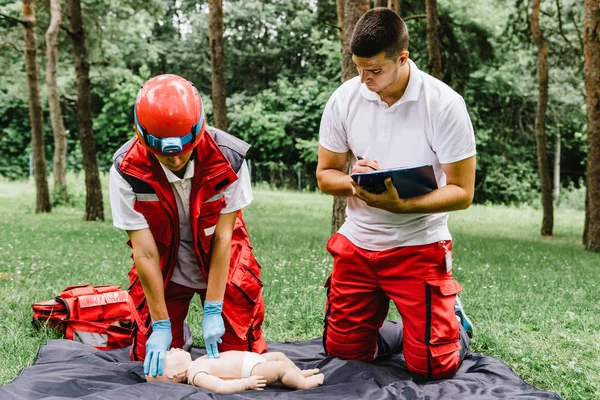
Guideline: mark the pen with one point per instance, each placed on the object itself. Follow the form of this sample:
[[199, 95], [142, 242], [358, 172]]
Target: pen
[[360, 158]]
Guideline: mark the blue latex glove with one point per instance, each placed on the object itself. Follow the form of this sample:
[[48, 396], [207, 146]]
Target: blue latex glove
[[212, 327], [156, 347]]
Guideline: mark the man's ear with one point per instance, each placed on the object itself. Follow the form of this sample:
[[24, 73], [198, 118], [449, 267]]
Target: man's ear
[[403, 57]]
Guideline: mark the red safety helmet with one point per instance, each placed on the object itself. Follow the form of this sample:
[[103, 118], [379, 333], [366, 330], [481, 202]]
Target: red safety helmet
[[169, 116]]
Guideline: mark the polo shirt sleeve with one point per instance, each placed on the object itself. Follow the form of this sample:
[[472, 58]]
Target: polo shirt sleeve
[[122, 199], [332, 134], [453, 136], [239, 194]]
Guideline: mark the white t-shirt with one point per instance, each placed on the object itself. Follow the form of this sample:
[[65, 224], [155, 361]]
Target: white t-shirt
[[122, 198], [428, 125]]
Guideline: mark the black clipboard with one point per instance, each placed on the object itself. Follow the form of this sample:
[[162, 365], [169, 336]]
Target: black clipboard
[[409, 182]]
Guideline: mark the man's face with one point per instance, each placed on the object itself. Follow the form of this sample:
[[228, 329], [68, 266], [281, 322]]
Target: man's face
[[379, 72], [175, 163]]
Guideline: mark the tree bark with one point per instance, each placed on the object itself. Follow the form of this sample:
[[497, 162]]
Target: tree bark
[[433, 42], [349, 12], [394, 5], [591, 50], [380, 3], [557, 148], [35, 109], [94, 208], [58, 128], [340, 6], [217, 62], [353, 10], [540, 120]]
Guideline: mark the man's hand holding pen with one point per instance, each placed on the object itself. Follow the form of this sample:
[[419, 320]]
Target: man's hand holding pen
[[364, 165], [387, 200]]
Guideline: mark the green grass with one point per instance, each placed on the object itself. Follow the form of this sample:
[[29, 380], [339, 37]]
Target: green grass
[[535, 301]]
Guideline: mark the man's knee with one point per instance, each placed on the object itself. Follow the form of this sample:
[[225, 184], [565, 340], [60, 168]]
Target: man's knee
[[433, 362], [351, 345]]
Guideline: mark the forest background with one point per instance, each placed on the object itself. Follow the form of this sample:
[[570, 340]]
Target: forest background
[[283, 62]]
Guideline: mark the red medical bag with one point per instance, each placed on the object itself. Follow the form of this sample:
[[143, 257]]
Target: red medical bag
[[99, 316]]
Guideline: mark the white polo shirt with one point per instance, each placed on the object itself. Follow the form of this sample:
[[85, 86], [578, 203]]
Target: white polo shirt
[[428, 125], [122, 198]]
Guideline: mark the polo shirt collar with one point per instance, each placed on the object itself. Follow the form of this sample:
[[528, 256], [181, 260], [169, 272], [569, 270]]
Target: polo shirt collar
[[413, 89], [171, 177]]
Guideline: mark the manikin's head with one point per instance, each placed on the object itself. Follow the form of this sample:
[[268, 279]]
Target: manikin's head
[[380, 48], [169, 119], [177, 362]]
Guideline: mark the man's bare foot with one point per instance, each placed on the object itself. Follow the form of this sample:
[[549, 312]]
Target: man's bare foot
[[309, 372], [314, 381]]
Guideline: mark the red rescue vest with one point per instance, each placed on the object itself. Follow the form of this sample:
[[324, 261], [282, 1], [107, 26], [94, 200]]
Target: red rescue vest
[[243, 305]]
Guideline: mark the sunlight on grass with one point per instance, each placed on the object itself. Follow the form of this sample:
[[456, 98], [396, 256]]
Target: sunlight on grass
[[534, 301]]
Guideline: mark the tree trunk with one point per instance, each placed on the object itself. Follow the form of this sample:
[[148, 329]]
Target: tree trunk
[[348, 12], [94, 209], [433, 42], [35, 109], [340, 6], [394, 5], [380, 3], [58, 129], [591, 47], [217, 62], [540, 120], [556, 194], [353, 10]]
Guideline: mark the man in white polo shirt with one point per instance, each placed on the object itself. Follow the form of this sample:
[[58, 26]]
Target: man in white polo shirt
[[394, 115]]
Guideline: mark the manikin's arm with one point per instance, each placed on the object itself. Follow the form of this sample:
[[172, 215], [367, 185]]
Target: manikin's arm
[[147, 263], [218, 385]]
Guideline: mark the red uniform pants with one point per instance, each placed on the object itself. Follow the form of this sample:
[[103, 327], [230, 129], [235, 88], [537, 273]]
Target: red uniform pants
[[178, 299], [415, 278]]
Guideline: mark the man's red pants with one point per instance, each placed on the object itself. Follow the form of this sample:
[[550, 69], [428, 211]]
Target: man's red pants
[[416, 279], [178, 299]]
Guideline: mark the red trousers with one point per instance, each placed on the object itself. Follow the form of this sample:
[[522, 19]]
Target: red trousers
[[178, 299], [415, 278]]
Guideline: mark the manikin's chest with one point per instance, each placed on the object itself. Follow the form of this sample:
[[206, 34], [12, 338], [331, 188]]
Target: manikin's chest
[[227, 366]]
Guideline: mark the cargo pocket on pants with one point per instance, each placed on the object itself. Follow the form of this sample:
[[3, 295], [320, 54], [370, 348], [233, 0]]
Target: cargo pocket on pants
[[441, 323], [444, 360], [243, 293]]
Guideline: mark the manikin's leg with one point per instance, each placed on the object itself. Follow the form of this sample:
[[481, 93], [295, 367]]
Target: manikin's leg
[[289, 375], [279, 356]]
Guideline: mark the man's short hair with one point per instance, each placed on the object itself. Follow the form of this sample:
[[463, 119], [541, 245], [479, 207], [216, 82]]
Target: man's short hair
[[379, 29]]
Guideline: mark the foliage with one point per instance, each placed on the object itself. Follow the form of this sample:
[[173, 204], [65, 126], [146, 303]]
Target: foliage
[[276, 119], [282, 64], [116, 117], [14, 144]]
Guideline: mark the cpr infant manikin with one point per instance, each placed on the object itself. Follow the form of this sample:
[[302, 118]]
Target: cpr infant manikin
[[235, 371]]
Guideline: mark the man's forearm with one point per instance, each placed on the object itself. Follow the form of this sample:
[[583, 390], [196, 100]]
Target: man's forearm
[[219, 269], [148, 269], [334, 182], [444, 199]]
